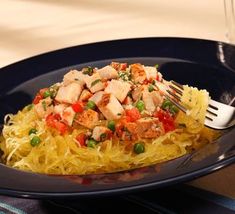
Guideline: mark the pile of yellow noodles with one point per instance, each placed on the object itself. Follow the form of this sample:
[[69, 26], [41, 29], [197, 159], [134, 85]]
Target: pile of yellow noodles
[[58, 154]]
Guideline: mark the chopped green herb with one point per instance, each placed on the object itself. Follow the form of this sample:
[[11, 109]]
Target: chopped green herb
[[111, 125], [35, 141], [30, 106], [156, 66], [119, 114], [95, 82], [32, 131], [150, 88], [153, 82], [90, 105], [139, 147], [140, 105], [44, 105], [88, 70], [46, 94], [103, 136]]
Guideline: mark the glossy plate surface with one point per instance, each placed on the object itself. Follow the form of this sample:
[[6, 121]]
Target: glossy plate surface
[[200, 63]]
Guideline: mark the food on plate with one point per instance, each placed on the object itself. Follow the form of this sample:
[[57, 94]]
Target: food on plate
[[100, 120]]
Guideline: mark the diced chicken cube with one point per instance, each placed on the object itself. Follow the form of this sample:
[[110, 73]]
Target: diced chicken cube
[[101, 133], [74, 76], [96, 98], [58, 109], [110, 107], [107, 72], [94, 83], [88, 118], [151, 72], [163, 87], [118, 88], [148, 100], [85, 95], [157, 98], [69, 93], [137, 93], [149, 127], [68, 115], [138, 73], [44, 107]]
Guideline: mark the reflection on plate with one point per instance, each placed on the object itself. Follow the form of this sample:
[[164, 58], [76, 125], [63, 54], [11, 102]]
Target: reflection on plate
[[188, 61]]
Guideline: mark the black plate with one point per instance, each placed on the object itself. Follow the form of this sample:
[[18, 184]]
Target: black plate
[[201, 63]]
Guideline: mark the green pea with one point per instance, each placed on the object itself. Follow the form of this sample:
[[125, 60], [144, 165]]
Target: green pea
[[139, 147], [91, 143], [166, 104], [35, 141], [32, 131], [90, 105], [151, 88], [140, 105], [111, 125], [174, 109]]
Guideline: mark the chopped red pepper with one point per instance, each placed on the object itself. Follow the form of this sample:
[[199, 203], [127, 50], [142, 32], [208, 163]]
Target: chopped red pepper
[[39, 96], [78, 107], [132, 115], [81, 138], [166, 118], [52, 120]]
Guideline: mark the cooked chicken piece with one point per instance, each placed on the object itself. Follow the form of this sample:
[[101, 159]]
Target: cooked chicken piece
[[69, 93], [110, 107], [162, 87], [149, 127], [88, 118], [128, 101], [101, 133], [58, 109], [68, 115], [44, 107], [107, 72], [74, 76], [118, 88], [137, 93], [138, 73], [85, 95], [96, 98], [157, 98], [94, 83], [151, 72], [148, 100]]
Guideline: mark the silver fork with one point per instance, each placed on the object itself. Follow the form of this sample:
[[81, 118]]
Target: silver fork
[[218, 115]]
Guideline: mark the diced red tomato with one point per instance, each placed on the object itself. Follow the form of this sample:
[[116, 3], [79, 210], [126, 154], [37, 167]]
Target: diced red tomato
[[39, 96], [52, 120], [132, 114], [166, 118], [123, 66], [78, 107], [61, 127], [81, 138]]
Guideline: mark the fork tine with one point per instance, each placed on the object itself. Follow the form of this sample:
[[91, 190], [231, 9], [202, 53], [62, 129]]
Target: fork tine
[[176, 90], [182, 108], [177, 84], [173, 95]]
